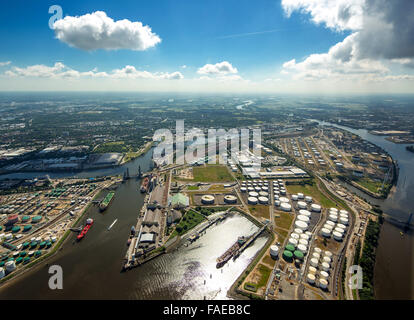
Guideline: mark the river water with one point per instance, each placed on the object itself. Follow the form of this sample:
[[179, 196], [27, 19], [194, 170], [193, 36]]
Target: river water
[[91, 268], [394, 277]]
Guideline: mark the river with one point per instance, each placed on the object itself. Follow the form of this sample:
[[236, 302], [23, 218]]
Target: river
[[394, 278], [92, 267]]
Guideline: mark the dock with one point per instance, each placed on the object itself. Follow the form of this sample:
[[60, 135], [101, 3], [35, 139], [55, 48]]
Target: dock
[[249, 241]]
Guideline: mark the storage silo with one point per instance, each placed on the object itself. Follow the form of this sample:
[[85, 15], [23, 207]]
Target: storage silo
[[316, 207], [302, 205], [310, 278], [274, 251], [285, 206]]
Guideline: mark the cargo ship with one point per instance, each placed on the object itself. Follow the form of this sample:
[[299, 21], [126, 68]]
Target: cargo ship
[[226, 256], [106, 201], [89, 223], [144, 185]]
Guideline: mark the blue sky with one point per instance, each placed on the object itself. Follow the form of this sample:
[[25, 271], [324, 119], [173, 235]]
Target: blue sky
[[255, 37]]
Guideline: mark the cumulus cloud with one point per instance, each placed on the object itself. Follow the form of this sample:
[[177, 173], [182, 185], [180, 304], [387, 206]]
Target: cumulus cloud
[[98, 31], [382, 31], [5, 63], [59, 70], [221, 68]]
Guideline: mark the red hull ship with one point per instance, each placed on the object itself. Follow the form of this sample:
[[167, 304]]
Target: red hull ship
[[144, 185], [81, 235]]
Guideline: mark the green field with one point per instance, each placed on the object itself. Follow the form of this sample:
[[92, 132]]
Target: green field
[[371, 185], [118, 146], [189, 221], [312, 191], [212, 173], [284, 220], [264, 275]]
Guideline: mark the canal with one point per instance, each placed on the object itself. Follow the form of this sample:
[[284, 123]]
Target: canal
[[394, 278], [92, 267]]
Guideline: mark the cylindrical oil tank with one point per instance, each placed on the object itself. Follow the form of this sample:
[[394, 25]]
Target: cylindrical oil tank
[[301, 225], [295, 236], [253, 194], [310, 278], [298, 231], [300, 196], [323, 283], [333, 218], [243, 189], [326, 232], [293, 242], [230, 199], [304, 212], [327, 259], [324, 275], [10, 266], [284, 199], [207, 199], [263, 200], [340, 230], [343, 212], [312, 270], [304, 242], [308, 199], [343, 220], [342, 226], [294, 197], [303, 248], [285, 206], [277, 203], [303, 218], [252, 200], [325, 266], [302, 205], [337, 236], [328, 254], [304, 236], [263, 194], [316, 255], [328, 226], [316, 207], [2, 272], [318, 250], [314, 262], [333, 210], [274, 251]]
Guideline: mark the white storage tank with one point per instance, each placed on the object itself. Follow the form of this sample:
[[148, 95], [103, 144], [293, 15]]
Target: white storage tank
[[337, 236], [243, 189], [327, 259], [293, 242], [318, 250], [302, 248], [284, 199], [253, 194], [304, 236], [316, 255], [252, 200], [277, 203], [10, 266], [274, 251], [304, 212], [302, 205], [294, 197], [263, 200], [314, 262], [324, 275], [304, 242], [323, 283], [300, 196], [308, 199], [2, 272], [311, 278], [333, 218], [301, 225], [309, 233], [303, 218], [316, 207], [340, 230], [328, 226], [285, 206], [295, 236], [333, 210], [342, 226], [343, 220], [325, 266], [312, 270], [326, 232], [343, 212], [263, 194], [298, 231]]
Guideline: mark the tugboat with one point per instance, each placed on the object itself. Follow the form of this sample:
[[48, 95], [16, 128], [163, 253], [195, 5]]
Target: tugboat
[[89, 223], [226, 256]]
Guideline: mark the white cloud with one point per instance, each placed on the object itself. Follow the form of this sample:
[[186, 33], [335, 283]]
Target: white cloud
[[59, 70], [381, 31], [98, 31], [221, 68], [5, 63], [335, 14]]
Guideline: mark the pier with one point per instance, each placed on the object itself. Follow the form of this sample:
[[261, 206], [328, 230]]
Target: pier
[[249, 241]]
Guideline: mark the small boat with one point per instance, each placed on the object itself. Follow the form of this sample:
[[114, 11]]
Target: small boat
[[112, 224]]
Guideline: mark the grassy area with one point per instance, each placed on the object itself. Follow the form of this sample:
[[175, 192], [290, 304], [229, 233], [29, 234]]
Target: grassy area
[[217, 187], [282, 234], [284, 220], [264, 275], [369, 184], [260, 211], [212, 173], [193, 188], [268, 260], [189, 221], [117, 146], [314, 192]]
